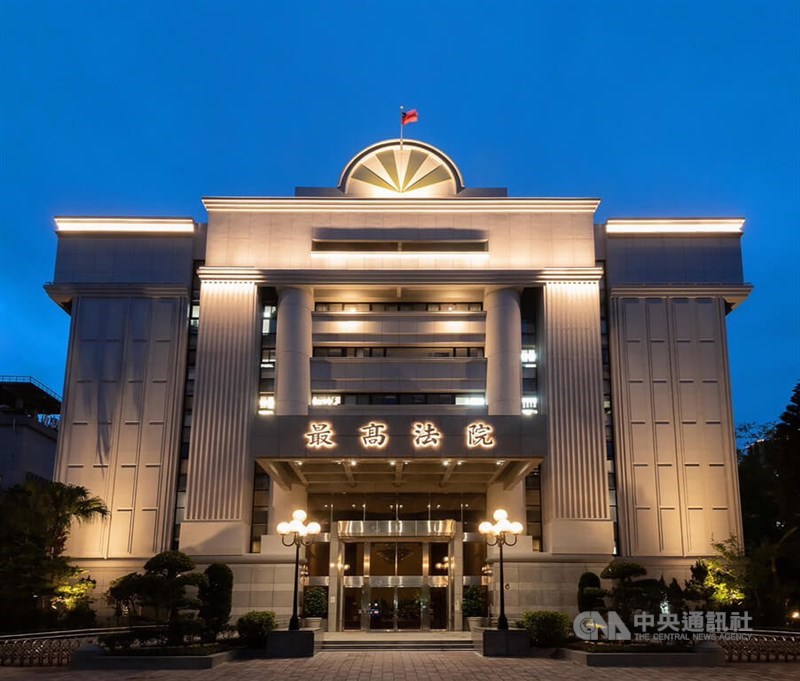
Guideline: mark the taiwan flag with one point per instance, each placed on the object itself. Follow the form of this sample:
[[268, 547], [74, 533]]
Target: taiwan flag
[[409, 116]]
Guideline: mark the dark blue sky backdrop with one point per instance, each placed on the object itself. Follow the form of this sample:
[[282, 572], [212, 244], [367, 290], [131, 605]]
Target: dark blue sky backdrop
[[660, 109]]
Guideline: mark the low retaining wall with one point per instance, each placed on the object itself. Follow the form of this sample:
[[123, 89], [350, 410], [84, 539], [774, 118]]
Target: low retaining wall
[[704, 657], [95, 658]]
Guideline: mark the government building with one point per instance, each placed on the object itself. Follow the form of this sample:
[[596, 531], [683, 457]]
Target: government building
[[400, 355]]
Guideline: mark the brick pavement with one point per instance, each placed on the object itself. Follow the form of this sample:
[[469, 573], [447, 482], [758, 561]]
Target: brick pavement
[[415, 666]]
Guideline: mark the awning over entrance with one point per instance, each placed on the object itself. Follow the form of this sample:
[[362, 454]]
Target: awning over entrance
[[391, 475], [390, 453], [350, 529]]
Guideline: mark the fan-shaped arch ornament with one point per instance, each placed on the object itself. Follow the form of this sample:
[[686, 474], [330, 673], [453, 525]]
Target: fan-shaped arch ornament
[[391, 170]]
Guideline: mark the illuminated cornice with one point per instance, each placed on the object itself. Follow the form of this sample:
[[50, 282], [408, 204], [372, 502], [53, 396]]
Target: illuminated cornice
[[124, 225], [347, 205], [733, 293], [659, 226], [416, 277]]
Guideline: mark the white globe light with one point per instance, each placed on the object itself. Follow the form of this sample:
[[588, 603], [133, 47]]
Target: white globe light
[[295, 526], [500, 514], [283, 528], [299, 515], [516, 528], [314, 528], [485, 527]]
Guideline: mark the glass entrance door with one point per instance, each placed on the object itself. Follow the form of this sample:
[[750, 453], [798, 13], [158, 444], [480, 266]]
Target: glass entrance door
[[395, 585]]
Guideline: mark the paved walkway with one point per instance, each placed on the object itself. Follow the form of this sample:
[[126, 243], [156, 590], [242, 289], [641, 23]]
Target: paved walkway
[[416, 666]]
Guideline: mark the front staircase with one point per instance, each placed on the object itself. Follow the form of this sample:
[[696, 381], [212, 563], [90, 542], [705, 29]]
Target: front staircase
[[396, 641]]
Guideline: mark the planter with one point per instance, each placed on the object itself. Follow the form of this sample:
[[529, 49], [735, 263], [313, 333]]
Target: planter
[[301, 643], [702, 656], [314, 623], [502, 642], [94, 657], [474, 623]]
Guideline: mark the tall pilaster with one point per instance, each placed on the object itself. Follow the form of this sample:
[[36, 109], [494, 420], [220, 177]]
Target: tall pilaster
[[503, 348], [575, 493], [220, 469], [293, 351]]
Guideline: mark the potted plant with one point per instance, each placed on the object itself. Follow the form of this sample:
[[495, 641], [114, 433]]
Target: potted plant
[[315, 606], [473, 606]]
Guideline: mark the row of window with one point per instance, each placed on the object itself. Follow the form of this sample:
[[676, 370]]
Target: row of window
[[398, 307], [458, 399], [398, 351], [330, 246]]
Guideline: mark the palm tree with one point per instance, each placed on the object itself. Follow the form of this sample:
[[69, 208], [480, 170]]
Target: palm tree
[[37, 517], [62, 504]]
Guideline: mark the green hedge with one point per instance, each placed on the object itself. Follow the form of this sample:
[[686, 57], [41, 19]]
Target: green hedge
[[254, 626], [547, 628]]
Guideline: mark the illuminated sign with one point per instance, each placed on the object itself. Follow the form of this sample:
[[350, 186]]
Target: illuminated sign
[[326, 400], [373, 435], [479, 434], [425, 434], [321, 435]]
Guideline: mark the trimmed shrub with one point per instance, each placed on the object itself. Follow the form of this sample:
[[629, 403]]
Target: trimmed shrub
[[589, 592], [474, 602], [623, 569], [546, 628], [254, 626], [315, 602], [216, 595]]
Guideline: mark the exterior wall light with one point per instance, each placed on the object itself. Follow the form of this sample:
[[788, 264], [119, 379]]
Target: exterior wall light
[[501, 533], [296, 533]]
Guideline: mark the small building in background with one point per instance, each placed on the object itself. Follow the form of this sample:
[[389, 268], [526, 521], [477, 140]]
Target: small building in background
[[29, 418]]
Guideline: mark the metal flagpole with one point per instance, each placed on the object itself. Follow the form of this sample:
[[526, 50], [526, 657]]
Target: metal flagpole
[[401, 129]]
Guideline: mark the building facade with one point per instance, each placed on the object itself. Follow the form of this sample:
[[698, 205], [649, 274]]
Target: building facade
[[28, 430], [400, 355]]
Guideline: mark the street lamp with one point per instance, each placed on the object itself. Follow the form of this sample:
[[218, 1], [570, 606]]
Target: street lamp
[[499, 534], [296, 533]]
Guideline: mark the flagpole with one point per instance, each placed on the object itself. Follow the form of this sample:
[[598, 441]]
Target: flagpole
[[401, 129]]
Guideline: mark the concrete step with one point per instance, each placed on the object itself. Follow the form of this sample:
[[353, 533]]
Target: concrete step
[[366, 644]]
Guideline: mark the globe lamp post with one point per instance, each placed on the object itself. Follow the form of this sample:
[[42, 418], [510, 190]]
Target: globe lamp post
[[501, 533], [296, 533]]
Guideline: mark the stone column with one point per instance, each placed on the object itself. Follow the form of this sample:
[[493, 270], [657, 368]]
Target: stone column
[[219, 483], [575, 487], [293, 352], [503, 348]]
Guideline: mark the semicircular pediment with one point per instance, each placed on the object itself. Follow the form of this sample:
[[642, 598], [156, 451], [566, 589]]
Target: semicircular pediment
[[391, 170]]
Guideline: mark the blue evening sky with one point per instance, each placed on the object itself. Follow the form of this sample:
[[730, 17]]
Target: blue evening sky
[[659, 108]]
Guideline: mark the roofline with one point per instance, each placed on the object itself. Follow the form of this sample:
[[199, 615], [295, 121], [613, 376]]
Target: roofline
[[401, 205], [655, 226], [124, 225]]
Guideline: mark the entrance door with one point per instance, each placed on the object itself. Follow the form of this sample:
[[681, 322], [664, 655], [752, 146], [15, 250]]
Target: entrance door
[[351, 610], [409, 607], [390, 588]]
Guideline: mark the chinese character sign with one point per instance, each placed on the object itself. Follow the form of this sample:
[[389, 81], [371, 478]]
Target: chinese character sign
[[320, 436], [373, 435], [479, 434], [425, 434]]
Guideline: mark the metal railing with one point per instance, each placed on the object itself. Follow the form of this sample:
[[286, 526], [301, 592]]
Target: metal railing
[[762, 646], [30, 379], [50, 649]]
